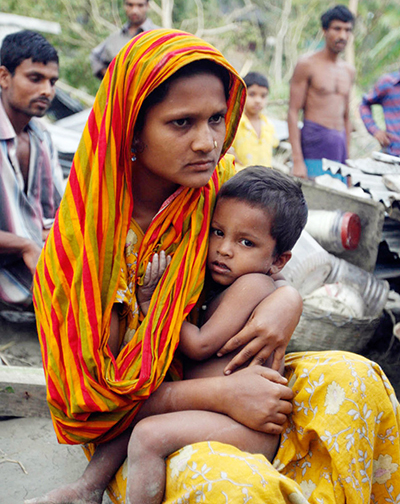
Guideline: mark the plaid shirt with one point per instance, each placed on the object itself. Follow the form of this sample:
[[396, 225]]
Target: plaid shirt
[[26, 210], [386, 93]]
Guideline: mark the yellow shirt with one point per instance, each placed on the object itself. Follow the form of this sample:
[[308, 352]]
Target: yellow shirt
[[251, 149]]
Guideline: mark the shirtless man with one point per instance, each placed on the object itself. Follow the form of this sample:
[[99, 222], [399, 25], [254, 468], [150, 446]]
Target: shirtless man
[[320, 87]]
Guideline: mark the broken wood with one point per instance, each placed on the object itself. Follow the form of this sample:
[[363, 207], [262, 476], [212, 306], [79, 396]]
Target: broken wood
[[23, 392]]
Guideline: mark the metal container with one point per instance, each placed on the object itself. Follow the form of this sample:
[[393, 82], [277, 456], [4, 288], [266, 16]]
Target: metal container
[[335, 231]]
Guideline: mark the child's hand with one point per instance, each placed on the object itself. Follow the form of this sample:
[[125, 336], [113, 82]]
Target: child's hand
[[154, 272]]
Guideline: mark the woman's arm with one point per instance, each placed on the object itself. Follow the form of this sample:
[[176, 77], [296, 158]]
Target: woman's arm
[[233, 308], [256, 397], [268, 329]]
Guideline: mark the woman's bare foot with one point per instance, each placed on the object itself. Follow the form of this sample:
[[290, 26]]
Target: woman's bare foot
[[75, 493]]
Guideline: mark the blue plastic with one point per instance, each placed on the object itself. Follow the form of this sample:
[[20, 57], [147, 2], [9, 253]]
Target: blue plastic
[[314, 169]]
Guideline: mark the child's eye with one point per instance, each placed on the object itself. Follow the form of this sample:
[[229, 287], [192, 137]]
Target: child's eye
[[247, 243], [217, 232]]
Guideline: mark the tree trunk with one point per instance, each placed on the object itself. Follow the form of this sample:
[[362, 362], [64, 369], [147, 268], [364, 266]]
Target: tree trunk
[[166, 12], [349, 52], [287, 7]]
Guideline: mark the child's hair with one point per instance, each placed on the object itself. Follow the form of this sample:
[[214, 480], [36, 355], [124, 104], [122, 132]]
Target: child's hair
[[256, 78], [278, 195], [26, 44], [339, 12]]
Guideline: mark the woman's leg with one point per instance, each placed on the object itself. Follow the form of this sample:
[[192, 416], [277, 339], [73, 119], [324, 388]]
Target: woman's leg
[[341, 443], [154, 438]]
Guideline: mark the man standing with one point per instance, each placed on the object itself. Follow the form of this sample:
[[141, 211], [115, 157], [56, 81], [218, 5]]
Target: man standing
[[31, 180], [386, 93], [320, 88], [102, 55]]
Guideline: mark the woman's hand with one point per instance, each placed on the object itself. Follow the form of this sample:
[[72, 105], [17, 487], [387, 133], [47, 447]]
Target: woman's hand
[[152, 276], [268, 330], [257, 397]]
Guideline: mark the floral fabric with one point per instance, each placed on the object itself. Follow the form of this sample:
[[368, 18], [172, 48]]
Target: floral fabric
[[340, 445]]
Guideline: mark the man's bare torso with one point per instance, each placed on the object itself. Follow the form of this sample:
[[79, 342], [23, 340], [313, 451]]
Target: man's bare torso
[[328, 89]]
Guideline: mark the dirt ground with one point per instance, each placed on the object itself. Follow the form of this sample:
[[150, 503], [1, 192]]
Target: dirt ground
[[31, 460]]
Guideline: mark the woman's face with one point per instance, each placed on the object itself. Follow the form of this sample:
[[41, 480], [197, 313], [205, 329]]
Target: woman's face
[[182, 137]]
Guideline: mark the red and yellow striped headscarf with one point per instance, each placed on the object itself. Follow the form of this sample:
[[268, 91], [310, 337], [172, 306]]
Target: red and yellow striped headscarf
[[91, 395]]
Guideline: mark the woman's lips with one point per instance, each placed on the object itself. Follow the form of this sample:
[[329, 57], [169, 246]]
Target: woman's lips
[[205, 165]]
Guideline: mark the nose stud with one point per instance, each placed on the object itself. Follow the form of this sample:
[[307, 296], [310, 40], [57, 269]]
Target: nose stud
[[215, 144]]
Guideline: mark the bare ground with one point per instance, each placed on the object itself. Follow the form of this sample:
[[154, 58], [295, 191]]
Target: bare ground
[[31, 460]]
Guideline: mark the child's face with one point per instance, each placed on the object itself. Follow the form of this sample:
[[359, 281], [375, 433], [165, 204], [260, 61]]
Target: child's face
[[256, 100], [240, 242]]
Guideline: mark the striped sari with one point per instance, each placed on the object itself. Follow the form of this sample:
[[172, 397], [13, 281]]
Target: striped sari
[[340, 445], [91, 395]]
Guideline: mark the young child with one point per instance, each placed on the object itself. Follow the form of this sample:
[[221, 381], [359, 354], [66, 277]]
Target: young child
[[255, 137], [258, 218]]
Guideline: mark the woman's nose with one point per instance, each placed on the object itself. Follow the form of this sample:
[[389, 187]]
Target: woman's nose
[[204, 140]]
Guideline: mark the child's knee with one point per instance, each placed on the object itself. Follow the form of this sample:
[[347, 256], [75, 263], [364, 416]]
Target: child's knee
[[144, 438]]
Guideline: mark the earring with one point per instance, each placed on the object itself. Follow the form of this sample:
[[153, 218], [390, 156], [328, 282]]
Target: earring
[[215, 144], [133, 158]]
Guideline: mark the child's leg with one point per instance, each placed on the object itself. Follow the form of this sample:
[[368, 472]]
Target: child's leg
[[154, 438], [90, 487]]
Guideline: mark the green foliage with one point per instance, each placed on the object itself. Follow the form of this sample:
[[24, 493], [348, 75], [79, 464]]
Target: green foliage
[[377, 40], [85, 23]]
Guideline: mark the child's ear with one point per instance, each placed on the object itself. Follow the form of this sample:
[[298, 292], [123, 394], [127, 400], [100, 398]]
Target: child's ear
[[280, 262]]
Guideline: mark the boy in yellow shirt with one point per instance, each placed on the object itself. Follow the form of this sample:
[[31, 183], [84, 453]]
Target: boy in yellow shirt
[[255, 137]]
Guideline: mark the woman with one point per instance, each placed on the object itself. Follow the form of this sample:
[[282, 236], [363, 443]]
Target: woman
[[143, 181]]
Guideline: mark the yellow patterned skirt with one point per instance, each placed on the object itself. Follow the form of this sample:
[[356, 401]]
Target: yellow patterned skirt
[[340, 445]]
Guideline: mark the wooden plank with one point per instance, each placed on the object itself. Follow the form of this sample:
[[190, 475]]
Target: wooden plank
[[23, 392]]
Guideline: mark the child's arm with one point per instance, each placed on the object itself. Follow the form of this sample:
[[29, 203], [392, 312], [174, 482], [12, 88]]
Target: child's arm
[[279, 279], [234, 307]]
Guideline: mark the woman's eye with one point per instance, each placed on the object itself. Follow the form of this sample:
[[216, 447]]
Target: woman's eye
[[247, 243], [181, 122], [217, 118]]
